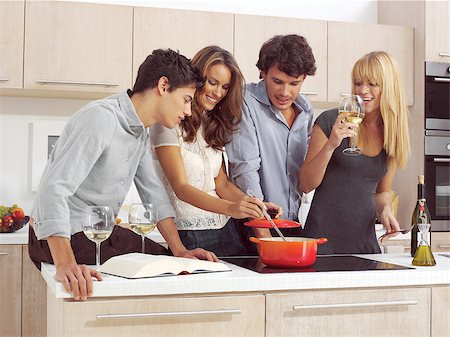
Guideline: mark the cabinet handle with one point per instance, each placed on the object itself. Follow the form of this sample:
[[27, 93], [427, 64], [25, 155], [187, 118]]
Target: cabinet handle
[[170, 314], [441, 160], [352, 305], [444, 246], [4, 79], [444, 54], [101, 84], [3, 253], [311, 93]]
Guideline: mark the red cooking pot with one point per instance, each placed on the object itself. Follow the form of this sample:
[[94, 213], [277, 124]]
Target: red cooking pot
[[294, 252]]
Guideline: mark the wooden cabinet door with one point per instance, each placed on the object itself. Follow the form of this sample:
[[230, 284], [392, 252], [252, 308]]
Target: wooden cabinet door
[[163, 317], [77, 46], [34, 299], [10, 290], [11, 43], [347, 42], [250, 32], [440, 241], [440, 312], [437, 28], [349, 313], [186, 31]]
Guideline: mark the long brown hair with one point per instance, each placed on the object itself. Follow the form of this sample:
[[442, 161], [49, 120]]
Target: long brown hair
[[381, 68], [219, 123]]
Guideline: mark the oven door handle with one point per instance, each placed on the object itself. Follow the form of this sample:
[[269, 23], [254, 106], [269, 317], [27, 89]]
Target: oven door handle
[[441, 79], [441, 160]]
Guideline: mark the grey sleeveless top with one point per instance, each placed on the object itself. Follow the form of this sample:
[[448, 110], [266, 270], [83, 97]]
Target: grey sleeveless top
[[343, 207]]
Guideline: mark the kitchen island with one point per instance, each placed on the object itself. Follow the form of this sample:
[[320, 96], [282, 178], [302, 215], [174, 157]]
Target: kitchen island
[[412, 302]]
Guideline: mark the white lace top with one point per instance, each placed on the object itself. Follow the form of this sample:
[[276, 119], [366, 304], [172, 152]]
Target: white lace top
[[202, 165]]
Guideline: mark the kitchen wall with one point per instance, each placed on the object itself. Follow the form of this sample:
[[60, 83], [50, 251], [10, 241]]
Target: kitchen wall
[[16, 113]]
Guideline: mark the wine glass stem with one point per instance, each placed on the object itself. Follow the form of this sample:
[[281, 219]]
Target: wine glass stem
[[97, 256], [143, 244], [352, 142]]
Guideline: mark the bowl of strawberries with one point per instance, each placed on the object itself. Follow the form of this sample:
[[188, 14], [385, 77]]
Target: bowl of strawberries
[[12, 219]]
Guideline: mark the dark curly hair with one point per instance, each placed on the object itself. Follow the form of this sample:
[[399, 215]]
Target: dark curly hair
[[171, 64], [291, 53], [219, 123]]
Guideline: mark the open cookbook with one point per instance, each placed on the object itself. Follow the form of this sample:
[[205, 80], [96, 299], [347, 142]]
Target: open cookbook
[[138, 265]]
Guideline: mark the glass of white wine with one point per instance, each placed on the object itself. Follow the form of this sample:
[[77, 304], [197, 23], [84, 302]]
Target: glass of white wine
[[352, 107], [98, 223], [142, 219]]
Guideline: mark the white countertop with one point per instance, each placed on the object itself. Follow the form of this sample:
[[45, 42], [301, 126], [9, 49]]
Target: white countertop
[[243, 280], [19, 237]]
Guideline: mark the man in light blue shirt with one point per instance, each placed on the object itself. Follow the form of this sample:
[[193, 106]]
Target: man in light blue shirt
[[102, 150], [268, 149]]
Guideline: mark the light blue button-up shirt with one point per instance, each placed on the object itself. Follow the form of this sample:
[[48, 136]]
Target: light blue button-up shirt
[[103, 148], [265, 155]]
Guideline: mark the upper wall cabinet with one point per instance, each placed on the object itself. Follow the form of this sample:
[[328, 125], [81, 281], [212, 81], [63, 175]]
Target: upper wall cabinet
[[11, 43], [186, 31], [252, 31], [77, 46], [347, 42], [437, 27]]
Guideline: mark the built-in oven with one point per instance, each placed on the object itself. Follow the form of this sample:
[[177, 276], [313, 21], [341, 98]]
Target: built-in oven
[[437, 143]]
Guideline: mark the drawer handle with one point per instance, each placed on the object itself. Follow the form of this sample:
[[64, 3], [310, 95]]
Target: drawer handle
[[311, 93], [4, 79], [444, 246], [3, 253], [441, 160], [101, 84], [352, 305], [444, 54], [170, 314]]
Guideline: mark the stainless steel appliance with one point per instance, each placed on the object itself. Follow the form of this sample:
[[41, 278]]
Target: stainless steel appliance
[[437, 143]]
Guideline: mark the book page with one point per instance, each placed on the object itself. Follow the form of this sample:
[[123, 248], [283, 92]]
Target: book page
[[137, 265]]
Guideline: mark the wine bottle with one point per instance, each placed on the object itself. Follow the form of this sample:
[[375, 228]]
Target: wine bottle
[[420, 212]]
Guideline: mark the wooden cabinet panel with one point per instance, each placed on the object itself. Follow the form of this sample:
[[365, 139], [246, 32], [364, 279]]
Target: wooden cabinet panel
[[440, 241], [252, 31], [349, 313], [437, 27], [11, 43], [199, 316], [186, 31], [440, 312], [34, 299], [10, 289], [347, 42], [77, 46]]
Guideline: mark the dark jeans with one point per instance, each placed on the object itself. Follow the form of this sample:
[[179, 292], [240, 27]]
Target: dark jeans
[[223, 242], [120, 242]]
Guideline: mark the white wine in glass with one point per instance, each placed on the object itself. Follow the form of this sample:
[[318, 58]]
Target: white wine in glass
[[98, 223], [142, 219], [352, 107]]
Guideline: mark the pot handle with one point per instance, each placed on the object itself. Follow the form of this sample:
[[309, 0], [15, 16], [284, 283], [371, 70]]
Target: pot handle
[[321, 240], [255, 240]]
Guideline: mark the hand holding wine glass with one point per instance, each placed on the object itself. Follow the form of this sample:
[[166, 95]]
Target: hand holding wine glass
[[352, 107], [142, 219], [98, 223]]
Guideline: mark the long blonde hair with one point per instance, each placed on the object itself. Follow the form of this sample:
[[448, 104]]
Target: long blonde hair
[[381, 68]]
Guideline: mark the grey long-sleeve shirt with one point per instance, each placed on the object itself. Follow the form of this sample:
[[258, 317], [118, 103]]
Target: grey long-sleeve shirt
[[103, 147], [265, 155]]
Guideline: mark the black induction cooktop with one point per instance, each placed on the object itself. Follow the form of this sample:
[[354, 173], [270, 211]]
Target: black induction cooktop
[[323, 263]]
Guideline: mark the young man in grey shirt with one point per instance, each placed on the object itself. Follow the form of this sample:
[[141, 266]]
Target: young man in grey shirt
[[266, 152], [102, 150]]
